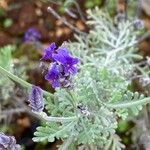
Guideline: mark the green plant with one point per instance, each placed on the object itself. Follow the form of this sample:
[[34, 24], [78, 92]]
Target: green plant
[[6, 85], [87, 116], [7, 22]]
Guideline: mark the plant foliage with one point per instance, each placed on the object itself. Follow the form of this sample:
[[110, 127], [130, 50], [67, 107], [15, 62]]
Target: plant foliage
[[88, 114], [101, 87], [6, 85]]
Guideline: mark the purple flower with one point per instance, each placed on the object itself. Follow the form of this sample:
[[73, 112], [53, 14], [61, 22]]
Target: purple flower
[[53, 75], [48, 52], [66, 60], [36, 99], [62, 68], [8, 143], [31, 35]]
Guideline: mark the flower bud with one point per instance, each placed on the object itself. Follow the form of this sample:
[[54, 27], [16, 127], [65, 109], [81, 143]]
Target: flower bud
[[36, 99], [8, 143], [31, 35], [138, 24]]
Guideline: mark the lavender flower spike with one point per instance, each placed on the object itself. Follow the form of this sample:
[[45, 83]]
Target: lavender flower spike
[[63, 66], [36, 99], [31, 35], [8, 143]]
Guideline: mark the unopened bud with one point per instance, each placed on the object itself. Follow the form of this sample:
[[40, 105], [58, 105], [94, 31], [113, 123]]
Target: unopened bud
[[138, 24]]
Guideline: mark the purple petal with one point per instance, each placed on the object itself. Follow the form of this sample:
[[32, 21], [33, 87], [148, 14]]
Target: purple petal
[[61, 55], [71, 61], [55, 84], [59, 58], [52, 46], [73, 70], [47, 77], [48, 52], [53, 75], [66, 69], [63, 51], [75, 61], [47, 55]]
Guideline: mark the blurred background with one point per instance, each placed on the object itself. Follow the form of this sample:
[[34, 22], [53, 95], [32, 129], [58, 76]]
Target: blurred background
[[56, 24]]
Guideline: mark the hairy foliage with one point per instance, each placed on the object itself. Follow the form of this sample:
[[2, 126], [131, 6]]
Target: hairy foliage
[[101, 87], [11, 65], [6, 85]]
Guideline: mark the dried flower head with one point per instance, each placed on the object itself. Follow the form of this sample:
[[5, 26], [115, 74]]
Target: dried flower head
[[31, 35], [36, 99], [8, 143]]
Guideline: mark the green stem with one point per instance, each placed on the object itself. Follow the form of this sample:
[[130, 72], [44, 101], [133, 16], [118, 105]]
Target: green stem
[[20, 81], [129, 104], [59, 119], [67, 143], [45, 117], [73, 98]]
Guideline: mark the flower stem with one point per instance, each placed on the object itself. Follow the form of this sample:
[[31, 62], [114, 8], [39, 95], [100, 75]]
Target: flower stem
[[67, 143], [73, 98], [44, 116], [20, 81], [129, 104]]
